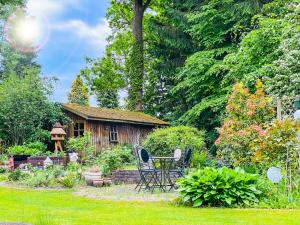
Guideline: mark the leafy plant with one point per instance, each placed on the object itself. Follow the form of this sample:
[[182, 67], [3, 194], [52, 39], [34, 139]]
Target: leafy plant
[[247, 117], [220, 187], [33, 148], [37, 145], [114, 159], [2, 170], [82, 145], [279, 196], [278, 144], [3, 158], [44, 178], [163, 141], [199, 159], [15, 175], [69, 180]]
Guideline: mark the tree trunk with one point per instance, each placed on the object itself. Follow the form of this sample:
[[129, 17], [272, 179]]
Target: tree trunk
[[137, 75]]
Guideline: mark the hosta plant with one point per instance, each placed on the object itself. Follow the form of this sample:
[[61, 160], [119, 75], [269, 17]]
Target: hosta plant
[[220, 187]]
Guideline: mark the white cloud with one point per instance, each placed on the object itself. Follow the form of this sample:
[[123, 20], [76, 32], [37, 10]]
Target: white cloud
[[49, 7], [94, 36]]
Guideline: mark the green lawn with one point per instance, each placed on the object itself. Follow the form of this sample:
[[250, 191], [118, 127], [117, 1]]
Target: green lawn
[[61, 207]]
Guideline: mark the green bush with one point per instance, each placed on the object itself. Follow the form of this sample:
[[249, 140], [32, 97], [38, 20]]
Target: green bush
[[163, 141], [279, 196], [82, 145], [199, 159], [32, 148], [37, 145], [114, 159], [15, 175], [44, 178], [69, 180], [220, 187], [3, 158], [2, 170]]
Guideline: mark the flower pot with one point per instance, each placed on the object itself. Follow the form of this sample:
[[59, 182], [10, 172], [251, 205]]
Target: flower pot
[[91, 176], [107, 181], [98, 183]]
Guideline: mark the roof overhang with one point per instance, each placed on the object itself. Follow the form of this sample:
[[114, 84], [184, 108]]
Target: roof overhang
[[86, 117]]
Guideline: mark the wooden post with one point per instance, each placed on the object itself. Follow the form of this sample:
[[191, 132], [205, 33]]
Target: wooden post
[[279, 108]]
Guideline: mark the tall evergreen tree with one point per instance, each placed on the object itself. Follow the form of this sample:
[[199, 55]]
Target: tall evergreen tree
[[79, 92]]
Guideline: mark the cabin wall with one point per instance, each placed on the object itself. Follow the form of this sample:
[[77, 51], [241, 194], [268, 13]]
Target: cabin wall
[[127, 133]]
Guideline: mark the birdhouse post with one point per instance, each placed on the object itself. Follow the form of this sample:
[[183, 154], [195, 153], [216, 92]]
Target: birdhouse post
[[58, 135]]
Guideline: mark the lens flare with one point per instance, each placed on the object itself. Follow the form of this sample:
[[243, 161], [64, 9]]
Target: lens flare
[[26, 33]]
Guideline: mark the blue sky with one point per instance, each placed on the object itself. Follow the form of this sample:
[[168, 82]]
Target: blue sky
[[77, 29]]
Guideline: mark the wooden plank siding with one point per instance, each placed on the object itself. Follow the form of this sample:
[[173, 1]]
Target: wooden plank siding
[[127, 133]]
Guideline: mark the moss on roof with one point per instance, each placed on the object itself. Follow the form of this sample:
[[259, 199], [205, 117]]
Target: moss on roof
[[94, 113]]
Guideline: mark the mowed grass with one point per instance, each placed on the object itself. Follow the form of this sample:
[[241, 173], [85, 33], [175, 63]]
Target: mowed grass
[[63, 208]]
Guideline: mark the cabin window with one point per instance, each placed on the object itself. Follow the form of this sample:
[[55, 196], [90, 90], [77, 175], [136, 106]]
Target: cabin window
[[78, 129], [113, 133]]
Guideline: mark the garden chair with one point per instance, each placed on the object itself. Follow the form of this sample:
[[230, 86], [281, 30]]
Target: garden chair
[[184, 165], [148, 174]]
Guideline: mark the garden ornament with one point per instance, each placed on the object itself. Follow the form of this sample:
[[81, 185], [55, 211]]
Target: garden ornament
[[58, 135], [274, 175], [73, 157], [48, 162], [177, 154]]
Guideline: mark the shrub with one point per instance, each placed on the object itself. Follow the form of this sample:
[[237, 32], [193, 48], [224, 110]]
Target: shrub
[[37, 145], [114, 159], [69, 180], [3, 158], [163, 141], [44, 178], [199, 159], [247, 117], [278, 143], [2, 170], [82, 145], [220, 187], [15, 175], [32, 148]]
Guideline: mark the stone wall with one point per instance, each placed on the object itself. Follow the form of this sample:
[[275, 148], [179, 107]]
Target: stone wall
[[125, 176]]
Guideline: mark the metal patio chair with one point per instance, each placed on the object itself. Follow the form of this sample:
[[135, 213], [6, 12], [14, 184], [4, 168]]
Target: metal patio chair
[[183, 166], [148, 174]]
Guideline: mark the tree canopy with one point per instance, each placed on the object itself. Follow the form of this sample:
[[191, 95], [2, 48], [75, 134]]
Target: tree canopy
[[79, 92], [196, 50]]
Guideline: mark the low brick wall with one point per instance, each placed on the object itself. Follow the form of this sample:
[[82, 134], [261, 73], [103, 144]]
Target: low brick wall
[[125, 176], [39, 161]]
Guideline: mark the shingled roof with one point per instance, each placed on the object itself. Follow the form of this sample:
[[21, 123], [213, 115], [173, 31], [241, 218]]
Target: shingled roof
[[117, 115]]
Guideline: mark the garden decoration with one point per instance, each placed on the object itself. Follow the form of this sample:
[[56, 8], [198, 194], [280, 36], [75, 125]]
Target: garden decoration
[[274, 175], [73, 157], [48, 162], [58, 135]]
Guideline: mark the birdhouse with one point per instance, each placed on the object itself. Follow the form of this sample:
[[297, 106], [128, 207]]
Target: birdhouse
[[58, 135]]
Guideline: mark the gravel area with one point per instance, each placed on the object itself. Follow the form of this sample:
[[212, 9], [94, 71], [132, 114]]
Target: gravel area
[[124, 193], [114, 192]]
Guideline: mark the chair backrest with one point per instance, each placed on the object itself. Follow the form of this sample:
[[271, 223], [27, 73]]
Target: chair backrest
[[144, 155], [177, 154], [187, 157]]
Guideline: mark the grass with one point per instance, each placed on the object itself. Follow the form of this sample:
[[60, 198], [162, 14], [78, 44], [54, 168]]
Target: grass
[[63, 208]]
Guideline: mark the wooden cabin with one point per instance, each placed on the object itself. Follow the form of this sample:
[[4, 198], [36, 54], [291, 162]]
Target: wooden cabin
[[109, 127]]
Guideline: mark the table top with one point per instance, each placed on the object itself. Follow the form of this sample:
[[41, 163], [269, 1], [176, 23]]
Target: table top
[[160, 157]]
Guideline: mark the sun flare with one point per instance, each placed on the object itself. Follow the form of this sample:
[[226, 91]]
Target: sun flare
[[26, 33]]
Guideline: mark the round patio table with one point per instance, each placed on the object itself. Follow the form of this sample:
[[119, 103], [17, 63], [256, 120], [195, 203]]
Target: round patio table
[[163, 165]]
